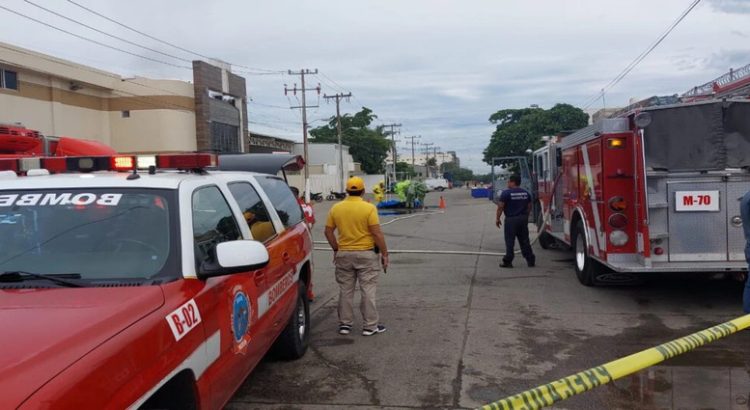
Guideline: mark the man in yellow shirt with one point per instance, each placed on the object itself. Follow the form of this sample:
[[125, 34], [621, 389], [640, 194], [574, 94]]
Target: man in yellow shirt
[[357, 253]]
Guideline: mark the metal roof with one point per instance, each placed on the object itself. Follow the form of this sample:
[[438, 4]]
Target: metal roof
[[608, 125], [261, 163]]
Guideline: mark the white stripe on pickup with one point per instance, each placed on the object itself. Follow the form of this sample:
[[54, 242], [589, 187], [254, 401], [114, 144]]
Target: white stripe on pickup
[[198, 361], [276, 291]]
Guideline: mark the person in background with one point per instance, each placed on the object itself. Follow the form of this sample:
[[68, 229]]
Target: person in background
[[358, 253], [307, 209], [379, 192], [515, 202]]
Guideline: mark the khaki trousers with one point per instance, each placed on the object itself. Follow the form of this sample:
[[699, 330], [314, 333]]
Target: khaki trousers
[[353, 266]]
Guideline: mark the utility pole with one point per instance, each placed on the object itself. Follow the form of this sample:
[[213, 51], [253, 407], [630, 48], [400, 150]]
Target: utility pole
[[338, 97], [434, 155], [427, 157], [395, 153], [413, 139], [304, 108]]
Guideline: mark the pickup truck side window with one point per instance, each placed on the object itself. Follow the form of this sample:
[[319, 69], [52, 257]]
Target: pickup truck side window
[[254, 210], [213, 223], [283, 200]]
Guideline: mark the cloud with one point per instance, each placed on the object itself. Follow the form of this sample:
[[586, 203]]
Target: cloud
[[440, 67], [731, 6]]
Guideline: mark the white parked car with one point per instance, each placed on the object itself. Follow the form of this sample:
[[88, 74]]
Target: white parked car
[[436, 184]]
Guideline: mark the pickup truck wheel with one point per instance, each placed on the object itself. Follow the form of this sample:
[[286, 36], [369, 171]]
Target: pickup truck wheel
[[440, 189], [585, 266], [293, 341]]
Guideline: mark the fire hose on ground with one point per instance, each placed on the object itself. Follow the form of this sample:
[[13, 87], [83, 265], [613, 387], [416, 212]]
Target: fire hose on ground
[[440, 252]]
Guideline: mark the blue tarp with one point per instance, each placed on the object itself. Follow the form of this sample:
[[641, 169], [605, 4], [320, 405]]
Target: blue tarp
[[395, 203], [480, 193]]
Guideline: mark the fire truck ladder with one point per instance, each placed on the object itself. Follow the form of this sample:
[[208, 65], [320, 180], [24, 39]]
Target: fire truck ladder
[[732, 84]]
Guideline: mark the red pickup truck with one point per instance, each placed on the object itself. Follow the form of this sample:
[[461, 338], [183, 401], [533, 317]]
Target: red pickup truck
[[155, 289]]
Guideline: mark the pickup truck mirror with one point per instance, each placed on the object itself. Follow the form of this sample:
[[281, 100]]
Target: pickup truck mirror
[[234, 257]]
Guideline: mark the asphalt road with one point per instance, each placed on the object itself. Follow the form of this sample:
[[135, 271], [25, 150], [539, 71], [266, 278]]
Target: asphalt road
[[462, 332]]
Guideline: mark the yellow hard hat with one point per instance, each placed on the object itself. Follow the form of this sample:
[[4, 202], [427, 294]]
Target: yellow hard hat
[[355, 184]]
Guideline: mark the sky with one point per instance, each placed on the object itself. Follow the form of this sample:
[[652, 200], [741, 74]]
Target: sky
[[438, 67]]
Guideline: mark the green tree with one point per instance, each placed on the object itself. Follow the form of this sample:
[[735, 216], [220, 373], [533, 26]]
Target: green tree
[[459, 174], [368, 146], [431, 162], [518, 130], [404, 170]]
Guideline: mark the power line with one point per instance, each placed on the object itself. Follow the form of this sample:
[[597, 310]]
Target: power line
[[268, 105], [105, 33], [642, 56], [267, 71], [92, 40]]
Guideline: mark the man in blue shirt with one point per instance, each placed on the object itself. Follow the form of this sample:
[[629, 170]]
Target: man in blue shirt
[[515, 202], [745, 215]]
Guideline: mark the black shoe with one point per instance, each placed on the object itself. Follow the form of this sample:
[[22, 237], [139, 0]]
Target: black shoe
[[504, 264], [345, 329], [370, 332], [531, 264]]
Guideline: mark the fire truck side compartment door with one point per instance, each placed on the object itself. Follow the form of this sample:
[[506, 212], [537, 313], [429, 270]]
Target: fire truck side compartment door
[[737, 186], [699, 235]]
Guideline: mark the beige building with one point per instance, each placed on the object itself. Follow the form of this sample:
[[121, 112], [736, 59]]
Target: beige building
[[62, 98]]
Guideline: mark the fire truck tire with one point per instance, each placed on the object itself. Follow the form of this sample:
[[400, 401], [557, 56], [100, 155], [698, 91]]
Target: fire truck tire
[[294, 339], [584, 265], [546, 241]]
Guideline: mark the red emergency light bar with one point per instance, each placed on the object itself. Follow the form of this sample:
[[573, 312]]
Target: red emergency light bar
[[88, 164], [9, 164], [185, 161], [120, 163]]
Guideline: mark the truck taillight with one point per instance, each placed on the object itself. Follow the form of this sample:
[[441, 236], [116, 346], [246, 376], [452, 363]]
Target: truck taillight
[[616, 143], [617, 204], [618, 238], [618, 221]]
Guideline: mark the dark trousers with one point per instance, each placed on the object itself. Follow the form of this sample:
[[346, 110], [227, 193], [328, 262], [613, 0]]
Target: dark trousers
[[518, 227]]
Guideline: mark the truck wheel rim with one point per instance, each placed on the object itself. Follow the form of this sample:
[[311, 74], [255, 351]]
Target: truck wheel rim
[[580, 252], [301, 323]]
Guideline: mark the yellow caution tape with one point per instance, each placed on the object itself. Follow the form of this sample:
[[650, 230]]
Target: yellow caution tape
[[559, 390]]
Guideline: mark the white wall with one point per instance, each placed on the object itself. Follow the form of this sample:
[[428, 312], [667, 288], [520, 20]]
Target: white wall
[[372, 180], [318, 183], [153, 131]]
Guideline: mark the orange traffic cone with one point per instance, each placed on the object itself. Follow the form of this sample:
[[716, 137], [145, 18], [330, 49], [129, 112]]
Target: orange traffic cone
[[442, 203]]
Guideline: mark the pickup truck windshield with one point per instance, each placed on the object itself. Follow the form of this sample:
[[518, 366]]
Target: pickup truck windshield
[[101, 234]]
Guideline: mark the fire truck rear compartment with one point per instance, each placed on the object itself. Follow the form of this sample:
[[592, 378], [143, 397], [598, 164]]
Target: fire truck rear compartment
[[696, 237]]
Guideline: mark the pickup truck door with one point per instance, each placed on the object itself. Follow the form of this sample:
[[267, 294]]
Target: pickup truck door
[[234, 298]]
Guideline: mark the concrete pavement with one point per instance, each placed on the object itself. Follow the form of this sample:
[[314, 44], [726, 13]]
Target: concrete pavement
[[462, 332]]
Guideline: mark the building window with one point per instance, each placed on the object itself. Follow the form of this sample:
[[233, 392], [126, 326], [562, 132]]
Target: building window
[[126, 114], [224, 138], [9, 79]]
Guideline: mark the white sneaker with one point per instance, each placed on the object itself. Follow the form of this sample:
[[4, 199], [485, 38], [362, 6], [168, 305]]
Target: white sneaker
[[370, 332]]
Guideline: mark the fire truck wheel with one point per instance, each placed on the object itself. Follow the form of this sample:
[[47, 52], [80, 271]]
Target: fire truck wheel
[[293, 341], [585, 269], [546, 241]]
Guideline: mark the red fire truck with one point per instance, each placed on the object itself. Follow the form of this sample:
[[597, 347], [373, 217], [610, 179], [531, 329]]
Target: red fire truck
[[656, 189], [18, 141]]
